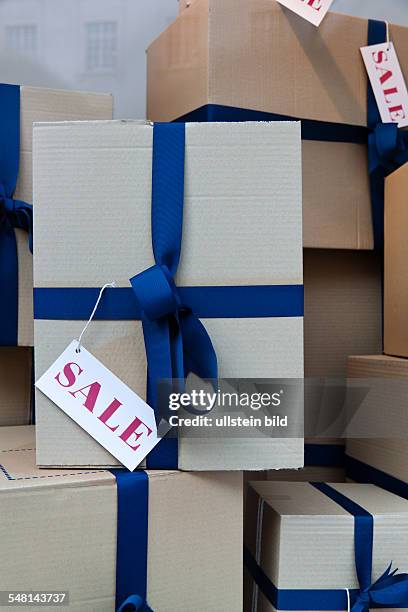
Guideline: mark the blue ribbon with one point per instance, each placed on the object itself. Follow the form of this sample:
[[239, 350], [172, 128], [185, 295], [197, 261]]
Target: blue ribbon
[[390, 590], [175, 339], [132, 541], [387, 145], [14, 214], [361, 472], [325, 455], [75, 304]]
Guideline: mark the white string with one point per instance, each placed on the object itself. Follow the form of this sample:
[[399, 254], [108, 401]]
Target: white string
[[388, 35], [113, 284], [348, 600]]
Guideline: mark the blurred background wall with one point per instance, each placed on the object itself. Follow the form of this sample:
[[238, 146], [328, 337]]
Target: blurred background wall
[[99, 45]]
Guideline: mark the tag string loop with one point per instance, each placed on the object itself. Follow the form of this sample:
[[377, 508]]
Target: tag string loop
[[112, 285]]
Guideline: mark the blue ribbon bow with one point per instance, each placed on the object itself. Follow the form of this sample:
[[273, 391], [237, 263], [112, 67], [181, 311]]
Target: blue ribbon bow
[[390, 590], [14, 214], [176, 341]]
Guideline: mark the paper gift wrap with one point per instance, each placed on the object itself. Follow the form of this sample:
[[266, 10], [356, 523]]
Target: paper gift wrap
[[96, 533], [343, 306], [377, 448], [241, 235], [236, 59], [307, 543], [395, 262], [16, 385], [20, 107]]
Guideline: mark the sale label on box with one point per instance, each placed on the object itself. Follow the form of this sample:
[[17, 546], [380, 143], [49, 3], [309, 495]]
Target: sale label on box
[[101, 404], [311, 10], [388, 82]]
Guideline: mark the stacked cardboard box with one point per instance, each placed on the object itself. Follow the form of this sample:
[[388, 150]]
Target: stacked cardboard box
[[311, 546], [239, 60], [25, 106], [59, 531], [230, 217], [378, 428], [242, 211]]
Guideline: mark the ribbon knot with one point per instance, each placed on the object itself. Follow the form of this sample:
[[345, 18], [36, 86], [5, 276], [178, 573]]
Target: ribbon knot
[[362, 603], [390, 590], [16, 214], [134, 603], [388, 147], [156, 292]]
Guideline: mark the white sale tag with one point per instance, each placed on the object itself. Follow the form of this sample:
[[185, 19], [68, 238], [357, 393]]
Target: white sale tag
[[102, 404], [388, 83], [311, 10]]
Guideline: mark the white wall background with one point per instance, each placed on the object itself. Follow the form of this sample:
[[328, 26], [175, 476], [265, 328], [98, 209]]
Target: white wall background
[[100, 45]]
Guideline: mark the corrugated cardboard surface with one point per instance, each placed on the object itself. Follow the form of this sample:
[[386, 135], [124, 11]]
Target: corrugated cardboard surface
[[44, 105], [385, 407], [16, 379], [58, 531], [242, 226], [342, 317], [395, 264], [235, 53], [308, 540]]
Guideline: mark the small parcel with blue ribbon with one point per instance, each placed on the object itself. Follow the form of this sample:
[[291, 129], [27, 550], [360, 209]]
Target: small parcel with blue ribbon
[[20, 107], [206, 221], [156, 541], [316, 546], [377, 443], [243, 60]]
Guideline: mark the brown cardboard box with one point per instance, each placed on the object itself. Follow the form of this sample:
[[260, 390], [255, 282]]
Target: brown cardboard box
[[382, 417], [302, 539], [395, 264], [58, 531], [260, 56], [38, 104], [242, 226], [342, 317], [16, 380]]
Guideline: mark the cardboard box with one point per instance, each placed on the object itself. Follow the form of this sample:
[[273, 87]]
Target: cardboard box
[[37, 104], [343, 300], [242, 226], [395, 261], [302, 539], [259, 56], [377, 448], [16, 385], [59, 532]]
